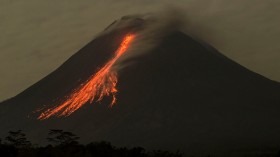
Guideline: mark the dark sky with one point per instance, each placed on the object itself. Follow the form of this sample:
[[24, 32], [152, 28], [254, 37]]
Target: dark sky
[[37, 36]]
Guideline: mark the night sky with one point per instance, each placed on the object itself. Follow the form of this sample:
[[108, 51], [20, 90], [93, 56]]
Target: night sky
[[37, 36]]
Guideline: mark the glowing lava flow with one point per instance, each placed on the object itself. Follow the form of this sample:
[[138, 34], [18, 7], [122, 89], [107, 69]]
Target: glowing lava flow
[[101, 84]]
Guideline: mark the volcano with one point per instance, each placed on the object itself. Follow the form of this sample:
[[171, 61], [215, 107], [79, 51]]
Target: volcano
[[181, 94]]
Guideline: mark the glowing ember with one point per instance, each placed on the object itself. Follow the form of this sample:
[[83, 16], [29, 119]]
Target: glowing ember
[[101, 84]]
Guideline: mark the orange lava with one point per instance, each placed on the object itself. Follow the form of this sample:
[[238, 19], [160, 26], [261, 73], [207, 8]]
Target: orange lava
[[101, 84]]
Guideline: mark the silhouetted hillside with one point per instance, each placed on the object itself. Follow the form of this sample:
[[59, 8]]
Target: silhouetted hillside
[[181, 95]]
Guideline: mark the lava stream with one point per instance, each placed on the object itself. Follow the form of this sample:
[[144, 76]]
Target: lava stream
[[101, 84]]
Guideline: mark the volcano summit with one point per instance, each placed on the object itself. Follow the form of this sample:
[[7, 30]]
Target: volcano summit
[[175, 93]]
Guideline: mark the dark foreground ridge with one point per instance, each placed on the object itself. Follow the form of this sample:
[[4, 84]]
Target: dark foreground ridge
[[181, 95], [62, 143], [65, 144]]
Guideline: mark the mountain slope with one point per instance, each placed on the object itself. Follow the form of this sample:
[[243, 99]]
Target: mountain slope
[[182, 94]]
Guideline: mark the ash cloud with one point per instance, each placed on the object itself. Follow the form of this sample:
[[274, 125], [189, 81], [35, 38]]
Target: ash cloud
[[155, 26]]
